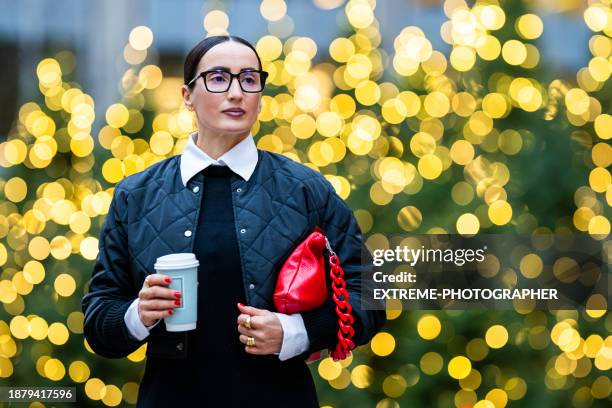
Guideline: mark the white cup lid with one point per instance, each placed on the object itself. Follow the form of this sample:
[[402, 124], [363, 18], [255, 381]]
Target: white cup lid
[[176, 261]]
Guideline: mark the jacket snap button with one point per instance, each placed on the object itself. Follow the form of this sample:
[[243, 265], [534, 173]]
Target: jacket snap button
[[251, 286], [179, 346], [242, 231], [238, 190], [196, 189], [188, 233]]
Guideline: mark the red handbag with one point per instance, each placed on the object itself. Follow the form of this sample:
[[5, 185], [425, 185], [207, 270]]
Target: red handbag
[[301, 286]]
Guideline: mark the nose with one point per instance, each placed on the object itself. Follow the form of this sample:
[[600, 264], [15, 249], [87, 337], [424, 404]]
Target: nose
[[234, 91]]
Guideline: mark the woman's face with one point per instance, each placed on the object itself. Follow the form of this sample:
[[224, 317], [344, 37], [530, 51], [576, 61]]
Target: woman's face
[[209, 106]]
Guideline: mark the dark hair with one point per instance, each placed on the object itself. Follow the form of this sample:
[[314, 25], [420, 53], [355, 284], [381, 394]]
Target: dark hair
[[197, 52]]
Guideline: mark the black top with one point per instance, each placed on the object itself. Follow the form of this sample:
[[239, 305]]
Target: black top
[[216, 346], [218, 370]]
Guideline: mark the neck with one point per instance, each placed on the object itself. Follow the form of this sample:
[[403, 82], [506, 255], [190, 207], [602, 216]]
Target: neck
[[216, 144]]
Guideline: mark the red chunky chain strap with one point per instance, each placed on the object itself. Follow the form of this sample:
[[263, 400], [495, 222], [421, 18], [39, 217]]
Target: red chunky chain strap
[[343, 308]]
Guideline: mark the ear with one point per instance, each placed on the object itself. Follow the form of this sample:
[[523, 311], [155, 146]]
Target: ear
[[186, 92]]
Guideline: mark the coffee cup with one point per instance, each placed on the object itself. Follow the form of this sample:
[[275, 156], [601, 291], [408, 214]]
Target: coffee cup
[[183, 269]]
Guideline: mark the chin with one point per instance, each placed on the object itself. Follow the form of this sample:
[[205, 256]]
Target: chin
[[234, 129]]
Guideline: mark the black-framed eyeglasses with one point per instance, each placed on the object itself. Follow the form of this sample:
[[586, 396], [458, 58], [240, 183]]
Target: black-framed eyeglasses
[[220, 80]]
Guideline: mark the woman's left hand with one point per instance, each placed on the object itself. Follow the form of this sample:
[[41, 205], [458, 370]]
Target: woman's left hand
[[265, 328]]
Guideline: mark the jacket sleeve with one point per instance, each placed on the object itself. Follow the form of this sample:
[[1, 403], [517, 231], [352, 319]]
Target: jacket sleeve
[[344, 235], [111, 290]]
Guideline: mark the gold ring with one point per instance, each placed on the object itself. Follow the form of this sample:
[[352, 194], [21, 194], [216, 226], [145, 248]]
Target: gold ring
[[250, 342], [247, 322]]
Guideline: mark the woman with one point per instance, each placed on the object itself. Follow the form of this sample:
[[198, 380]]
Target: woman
[[241, 211]]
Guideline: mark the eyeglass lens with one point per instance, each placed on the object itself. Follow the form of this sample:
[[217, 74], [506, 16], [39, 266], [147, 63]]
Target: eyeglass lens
[[219, 81]]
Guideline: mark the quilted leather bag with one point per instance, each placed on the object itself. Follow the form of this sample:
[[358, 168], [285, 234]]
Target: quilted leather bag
[[301, 286]]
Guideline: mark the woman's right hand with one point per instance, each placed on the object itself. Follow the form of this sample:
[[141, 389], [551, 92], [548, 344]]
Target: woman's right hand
[[156, 299]]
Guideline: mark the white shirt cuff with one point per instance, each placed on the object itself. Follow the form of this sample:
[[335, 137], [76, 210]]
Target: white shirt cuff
[[135, 326], [295, 337]]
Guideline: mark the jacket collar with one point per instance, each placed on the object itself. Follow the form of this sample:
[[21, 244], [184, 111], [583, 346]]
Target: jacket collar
[[241, 159]]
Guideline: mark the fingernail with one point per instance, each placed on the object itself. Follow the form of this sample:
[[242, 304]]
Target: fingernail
[[177, 294], [170, 312], [177, 302], [240, 304], [168, 280]]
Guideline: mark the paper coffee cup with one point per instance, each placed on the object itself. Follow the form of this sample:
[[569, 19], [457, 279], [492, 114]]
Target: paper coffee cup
[[183, 269]]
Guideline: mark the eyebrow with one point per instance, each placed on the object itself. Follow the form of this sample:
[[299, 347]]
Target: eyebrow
[[227, 69]]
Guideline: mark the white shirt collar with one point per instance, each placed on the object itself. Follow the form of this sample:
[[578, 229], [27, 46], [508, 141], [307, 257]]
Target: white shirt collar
[[241, 159]]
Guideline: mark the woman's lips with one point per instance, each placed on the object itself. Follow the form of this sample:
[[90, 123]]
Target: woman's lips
[[234, 113]]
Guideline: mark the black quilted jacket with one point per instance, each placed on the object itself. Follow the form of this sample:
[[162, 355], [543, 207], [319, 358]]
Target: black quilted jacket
[[153, 214]]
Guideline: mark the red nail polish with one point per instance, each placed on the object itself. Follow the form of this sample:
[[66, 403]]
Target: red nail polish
[[240, 304], [177, 294], [168, 280], [170, 312], [177, 302]]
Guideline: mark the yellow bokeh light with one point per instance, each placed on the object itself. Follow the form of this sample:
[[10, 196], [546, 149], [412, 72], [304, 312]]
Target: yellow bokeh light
[[89, 248], [531, 266], [367, 92], [467, 224], [597, 17], [492, 17], [329, 369], [341, 49], [496, 336], [429, 327], [20, 327], [273, 10], [514, 52], [79, 371], [600, 179], [38, 328], [34, 272], [112, 396], [599, 226], [269, 48], [150, 76], [15, 189], [431, 363], [112, 170], [577, 101], [95, 389], [603, 126], [529, 26], [462, 58], [303, 126], [409, 218], [430, 166], [64, 285], [437, 104], [382, 344], [459, 367], [15, 151], [216, 22], [462, 152], [58, 333], [362, 376], [141, 38], [117, 115], [360, 14], [161, 143], [394, 385], [500, 212], [54, 369]]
